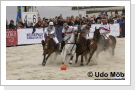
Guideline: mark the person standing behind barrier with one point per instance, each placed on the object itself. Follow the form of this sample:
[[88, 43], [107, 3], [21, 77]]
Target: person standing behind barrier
[[50, 31], [68, 31], [11, 25], [37, 25], [105, 30], [7, 26]]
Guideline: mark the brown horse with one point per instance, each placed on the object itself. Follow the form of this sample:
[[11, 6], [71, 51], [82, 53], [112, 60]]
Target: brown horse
[[82, 48], [48, 48], [101, 42]]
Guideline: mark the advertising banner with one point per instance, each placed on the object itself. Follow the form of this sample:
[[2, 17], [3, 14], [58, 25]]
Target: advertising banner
[[11, 37]]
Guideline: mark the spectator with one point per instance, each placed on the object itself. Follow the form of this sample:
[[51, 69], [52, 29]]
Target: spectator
[[104, 17], [91, 21], [119, 20], [70, 23], [99, 17], [115, 20], [123, 11], [7, 26], [76, 22], [123, 17], [60, 22], [98, 21], [110, 20], [38, 25], [39, 19], [31, 25], [50, 20], [11, 25], [21, 24], [116, 11]]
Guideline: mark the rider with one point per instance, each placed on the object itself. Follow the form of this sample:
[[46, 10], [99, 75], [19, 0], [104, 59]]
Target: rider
[[67, 32], [52, 33], [85, 32], [105, 30]]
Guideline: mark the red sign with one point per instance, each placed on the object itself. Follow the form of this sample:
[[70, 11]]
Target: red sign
[[11, 37]]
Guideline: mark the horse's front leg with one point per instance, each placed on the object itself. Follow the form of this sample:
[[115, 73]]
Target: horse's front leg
[[43, 63], [64, 56], [48, 56], [85, 57], [71, 58], [81, 60], [43, 45], [76, 58], [91, 54]]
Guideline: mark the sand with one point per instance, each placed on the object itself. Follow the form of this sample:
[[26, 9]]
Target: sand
[[25, 63]]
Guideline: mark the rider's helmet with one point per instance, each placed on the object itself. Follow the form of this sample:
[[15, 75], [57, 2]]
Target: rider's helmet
[[51, 24], [65, 25]]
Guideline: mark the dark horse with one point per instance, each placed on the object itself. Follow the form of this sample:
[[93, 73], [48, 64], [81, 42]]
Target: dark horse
[[101, 42], [48, 48], [83, 49]]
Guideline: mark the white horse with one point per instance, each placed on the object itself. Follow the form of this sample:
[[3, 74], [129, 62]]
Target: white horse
[[70, 47]]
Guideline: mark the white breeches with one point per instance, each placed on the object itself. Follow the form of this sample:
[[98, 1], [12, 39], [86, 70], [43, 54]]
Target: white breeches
[[56, 40], [87, 36], [105, 35]]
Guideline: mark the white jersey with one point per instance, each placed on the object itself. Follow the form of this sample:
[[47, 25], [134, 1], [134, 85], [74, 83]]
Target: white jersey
[[103, 29], [68, 32], [50, 31]]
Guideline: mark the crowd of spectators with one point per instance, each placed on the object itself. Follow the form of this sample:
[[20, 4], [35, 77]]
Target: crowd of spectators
[[115, 17]]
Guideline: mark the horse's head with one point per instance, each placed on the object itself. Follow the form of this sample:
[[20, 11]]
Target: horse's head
[[79, 36], [47, 41], [96, 34], [75, 32]]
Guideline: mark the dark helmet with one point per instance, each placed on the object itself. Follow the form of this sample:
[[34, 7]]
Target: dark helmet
[[89, 24]]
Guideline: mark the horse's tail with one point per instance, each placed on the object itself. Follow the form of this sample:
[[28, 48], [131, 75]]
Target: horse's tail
[[113, 41], [43, 43]]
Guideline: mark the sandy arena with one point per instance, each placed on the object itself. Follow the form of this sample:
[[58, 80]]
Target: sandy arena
[[25, 63]]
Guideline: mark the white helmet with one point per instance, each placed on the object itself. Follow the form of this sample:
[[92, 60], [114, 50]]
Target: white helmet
[[51, 23]]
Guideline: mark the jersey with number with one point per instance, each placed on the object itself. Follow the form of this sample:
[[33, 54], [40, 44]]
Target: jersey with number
[[68, 31]]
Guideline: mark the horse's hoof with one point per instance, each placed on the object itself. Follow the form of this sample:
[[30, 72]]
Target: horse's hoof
[[70, 62], [62, 62], [81, 64], [43, 64]]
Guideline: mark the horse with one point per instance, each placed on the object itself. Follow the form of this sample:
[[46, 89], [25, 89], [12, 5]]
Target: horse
[[82, 48], [101, 41], [70, 47], [49, 46]]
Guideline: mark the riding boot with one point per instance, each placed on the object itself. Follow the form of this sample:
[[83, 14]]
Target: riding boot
[[62, 45], [57, 47], [88, 44]]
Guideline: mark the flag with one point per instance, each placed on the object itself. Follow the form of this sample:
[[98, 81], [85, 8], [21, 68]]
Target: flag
[[18, 13]]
